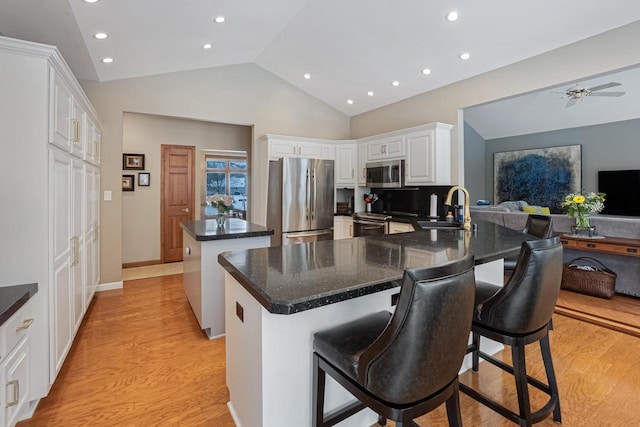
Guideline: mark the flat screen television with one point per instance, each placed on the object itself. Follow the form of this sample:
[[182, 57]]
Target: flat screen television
[[622, 189]]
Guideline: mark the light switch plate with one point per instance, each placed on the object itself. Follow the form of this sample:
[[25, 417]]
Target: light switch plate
[[107, 195]]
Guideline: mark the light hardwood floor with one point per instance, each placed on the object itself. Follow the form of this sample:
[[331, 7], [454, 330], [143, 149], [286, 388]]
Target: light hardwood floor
[[139, 360]]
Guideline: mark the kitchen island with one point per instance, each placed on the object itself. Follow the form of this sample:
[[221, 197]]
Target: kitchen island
[[203, 277], [276, 298]]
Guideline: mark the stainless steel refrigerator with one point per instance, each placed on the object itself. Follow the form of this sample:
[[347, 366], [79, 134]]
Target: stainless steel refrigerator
[[300, 200]]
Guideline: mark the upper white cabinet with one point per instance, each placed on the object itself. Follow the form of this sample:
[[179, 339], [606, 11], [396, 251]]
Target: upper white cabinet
[[362, 164], [346, 165], [426, 150], [71, 126], [391, 147], [428, 159], [55, 240], [285, 148]]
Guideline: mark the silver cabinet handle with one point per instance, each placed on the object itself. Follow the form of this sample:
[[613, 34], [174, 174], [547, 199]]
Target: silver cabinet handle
[[16, 393], [75, 242], [185, 210], [353, 173], [25, 325], [76, 130]]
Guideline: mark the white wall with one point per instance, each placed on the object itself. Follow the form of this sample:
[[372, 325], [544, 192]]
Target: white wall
[[241, 94], [599, 54]]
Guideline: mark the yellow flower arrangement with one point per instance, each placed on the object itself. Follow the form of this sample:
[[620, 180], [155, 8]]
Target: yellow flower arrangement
[[580, 206]]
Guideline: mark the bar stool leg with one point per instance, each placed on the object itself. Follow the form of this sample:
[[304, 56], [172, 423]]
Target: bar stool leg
[[382, 420], [319, 378], [520, 373], [453, 409], [475, 356], [545, 349]]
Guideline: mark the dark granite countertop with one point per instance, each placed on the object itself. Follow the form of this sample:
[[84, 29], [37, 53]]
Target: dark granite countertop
[[293, 278], [234, 228], [14, 297]]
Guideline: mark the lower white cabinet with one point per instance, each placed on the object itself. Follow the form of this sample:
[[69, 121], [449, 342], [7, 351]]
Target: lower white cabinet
[[342, 227], [15, 365], [400, 227]]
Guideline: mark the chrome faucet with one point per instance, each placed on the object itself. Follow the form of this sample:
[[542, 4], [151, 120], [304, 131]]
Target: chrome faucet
[[467, 213]]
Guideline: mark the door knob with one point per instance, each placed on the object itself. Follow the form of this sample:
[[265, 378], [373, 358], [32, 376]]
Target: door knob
[[185, 210]]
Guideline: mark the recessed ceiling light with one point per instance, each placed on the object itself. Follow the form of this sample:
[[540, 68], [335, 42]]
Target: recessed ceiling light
[[101, 36], [107, 60], [395, 83], [220, 19], [206, 46], [349, 101], [307, 76], [91, 1], [465, 55], [426, 71], [370, 93], [453, 16]]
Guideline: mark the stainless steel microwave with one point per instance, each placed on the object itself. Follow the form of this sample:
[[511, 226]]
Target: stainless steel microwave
[[387, 174]]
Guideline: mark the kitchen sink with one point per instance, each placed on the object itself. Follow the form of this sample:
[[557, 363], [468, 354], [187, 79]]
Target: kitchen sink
[[425, 225]]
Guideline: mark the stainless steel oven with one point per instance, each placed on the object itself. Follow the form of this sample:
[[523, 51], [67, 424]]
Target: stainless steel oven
[[370, 224]]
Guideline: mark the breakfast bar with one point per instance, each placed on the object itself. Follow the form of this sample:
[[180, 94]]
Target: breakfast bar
[[277, 297]]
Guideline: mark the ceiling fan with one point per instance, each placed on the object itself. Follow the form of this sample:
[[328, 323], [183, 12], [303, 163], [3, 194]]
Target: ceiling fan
[[579, 93]]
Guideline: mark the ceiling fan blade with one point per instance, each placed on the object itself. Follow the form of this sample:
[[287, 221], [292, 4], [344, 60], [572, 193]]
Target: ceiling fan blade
[[608, 94], [571, 102], [604, 86]]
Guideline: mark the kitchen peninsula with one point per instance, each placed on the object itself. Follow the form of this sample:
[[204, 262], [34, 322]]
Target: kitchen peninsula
[[277, 297], [203, 278]]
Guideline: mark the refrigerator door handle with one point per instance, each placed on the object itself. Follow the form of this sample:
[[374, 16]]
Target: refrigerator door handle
[[315, 192], [307, 201]]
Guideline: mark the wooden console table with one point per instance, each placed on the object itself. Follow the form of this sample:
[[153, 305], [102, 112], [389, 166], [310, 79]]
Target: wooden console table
[[611, 245]]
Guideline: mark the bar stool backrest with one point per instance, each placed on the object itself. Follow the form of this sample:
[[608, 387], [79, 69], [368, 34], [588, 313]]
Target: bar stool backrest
[[526, 302], [539, 226], [422, 347]]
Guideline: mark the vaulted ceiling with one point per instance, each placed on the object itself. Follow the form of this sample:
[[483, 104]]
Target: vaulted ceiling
[[348, 48]]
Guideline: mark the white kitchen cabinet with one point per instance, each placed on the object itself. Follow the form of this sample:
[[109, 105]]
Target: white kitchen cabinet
[[400, 227], [47, 242], [342, 227], [287, 148], [15, 364], [391, 147], [91, 233], [362, 164], [346, 166], [428, 155]]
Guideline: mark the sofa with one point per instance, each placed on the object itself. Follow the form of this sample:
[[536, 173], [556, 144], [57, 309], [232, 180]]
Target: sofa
[[511, 216]]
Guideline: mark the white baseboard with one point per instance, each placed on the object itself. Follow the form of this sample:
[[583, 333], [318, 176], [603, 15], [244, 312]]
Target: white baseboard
[[109, 286]]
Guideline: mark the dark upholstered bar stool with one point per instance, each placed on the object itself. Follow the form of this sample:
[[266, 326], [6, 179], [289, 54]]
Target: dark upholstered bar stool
[[540, 226], [406, 364], [516, 315]]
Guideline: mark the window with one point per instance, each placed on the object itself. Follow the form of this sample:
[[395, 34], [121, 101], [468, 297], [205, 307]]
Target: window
[[227, 176]]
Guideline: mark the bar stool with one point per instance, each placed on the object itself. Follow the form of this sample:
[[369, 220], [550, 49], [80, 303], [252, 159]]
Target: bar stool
[[517, 314], [540, 226], [406, 364]]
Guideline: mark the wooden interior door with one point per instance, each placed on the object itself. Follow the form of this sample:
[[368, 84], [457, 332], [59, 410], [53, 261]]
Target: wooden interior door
[[177, 197]]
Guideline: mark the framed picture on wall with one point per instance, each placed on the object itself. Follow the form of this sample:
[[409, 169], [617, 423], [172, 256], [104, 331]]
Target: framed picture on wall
[[128, 183], [144, 179], [133, 161]]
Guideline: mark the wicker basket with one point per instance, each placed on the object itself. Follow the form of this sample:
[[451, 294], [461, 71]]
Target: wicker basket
[[589, 276]]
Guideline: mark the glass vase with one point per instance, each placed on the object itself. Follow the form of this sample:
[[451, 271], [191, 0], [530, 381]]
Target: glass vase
[[583, 227], [220, 219], [582, 221]]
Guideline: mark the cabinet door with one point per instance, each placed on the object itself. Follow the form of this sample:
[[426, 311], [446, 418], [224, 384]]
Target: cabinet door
[[376, 150], [96, 231], [279, 149], [362, 164], [420, 162], [77, 240], [17, 382], [89, 231], [345, 166], [78, 134], [394, 147], [60, 306], [60, 112], [310, 150]]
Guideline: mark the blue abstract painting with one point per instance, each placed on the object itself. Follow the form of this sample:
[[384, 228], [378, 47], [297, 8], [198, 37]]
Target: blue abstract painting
[[539, 176]]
